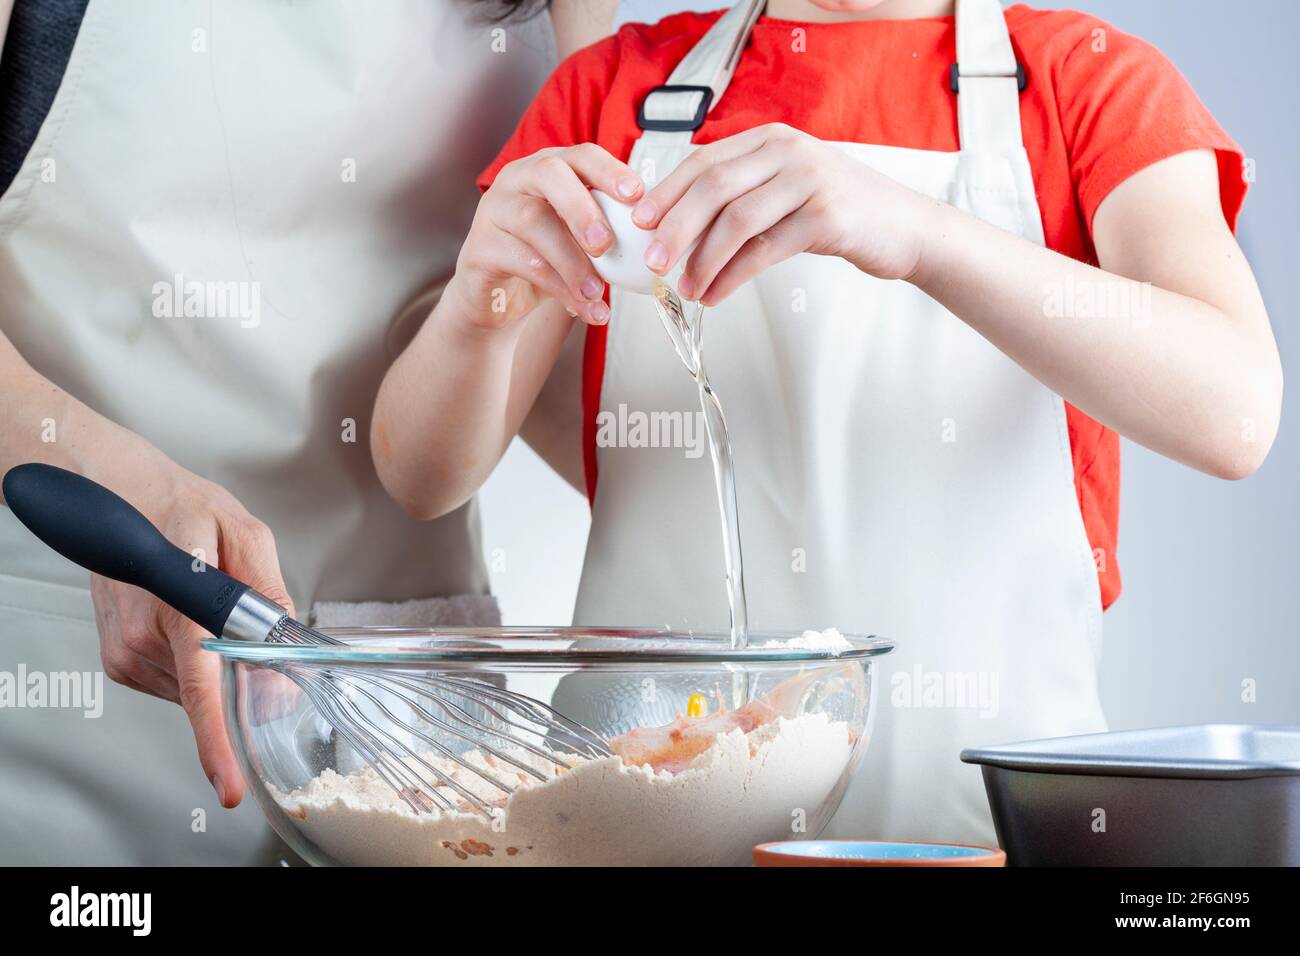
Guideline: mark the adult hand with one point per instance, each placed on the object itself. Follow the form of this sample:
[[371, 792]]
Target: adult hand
[[764, 195], [144, 644]]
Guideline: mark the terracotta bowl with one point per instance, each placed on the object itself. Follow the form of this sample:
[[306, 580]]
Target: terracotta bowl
[[875, 853]]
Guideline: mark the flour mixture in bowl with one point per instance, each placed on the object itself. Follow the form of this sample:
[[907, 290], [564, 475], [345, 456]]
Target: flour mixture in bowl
[[702, 787], [732, 794]]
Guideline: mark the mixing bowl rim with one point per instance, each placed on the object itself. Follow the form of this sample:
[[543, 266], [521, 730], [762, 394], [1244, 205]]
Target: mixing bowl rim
[[701, 647]]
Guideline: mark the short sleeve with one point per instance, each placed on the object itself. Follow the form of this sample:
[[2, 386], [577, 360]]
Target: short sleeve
[[1123, 107], [567, 108]]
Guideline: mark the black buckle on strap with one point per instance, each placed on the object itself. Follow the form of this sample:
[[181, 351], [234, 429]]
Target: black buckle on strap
[[1021, 79], [676, 125]]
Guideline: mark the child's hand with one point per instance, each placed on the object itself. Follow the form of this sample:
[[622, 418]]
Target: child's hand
[[764, 195], [533, 232]]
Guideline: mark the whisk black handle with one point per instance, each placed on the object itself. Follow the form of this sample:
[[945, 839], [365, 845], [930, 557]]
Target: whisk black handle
[[91, 526]]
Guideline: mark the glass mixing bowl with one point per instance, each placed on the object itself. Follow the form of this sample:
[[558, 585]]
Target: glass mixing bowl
[[715, 750]]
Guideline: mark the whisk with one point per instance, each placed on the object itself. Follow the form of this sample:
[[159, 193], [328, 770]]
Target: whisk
[[402, 725]]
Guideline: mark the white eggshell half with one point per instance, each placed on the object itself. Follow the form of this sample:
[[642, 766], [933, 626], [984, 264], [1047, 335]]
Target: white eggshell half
[[623, 264]]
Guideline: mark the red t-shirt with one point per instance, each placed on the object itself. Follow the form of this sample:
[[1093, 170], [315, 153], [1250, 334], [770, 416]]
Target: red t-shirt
[[1100, 105]]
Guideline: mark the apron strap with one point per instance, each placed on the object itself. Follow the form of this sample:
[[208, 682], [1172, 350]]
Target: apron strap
[[673, 112], [986, 78]]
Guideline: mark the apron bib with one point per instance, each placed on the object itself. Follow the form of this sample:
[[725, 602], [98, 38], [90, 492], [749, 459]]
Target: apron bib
[[225, 207], [896, 473]]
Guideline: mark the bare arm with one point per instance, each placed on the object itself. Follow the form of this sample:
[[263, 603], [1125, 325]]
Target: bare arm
[[1194, 375], [451, 403], [144, 645], [553, 426], [41, 422], [453, 400]]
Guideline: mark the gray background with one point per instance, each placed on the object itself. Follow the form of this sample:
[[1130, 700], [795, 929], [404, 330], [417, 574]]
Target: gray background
[[1210, 596]]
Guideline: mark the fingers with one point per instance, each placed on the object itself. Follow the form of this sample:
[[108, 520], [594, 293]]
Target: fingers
[[131, 645], [199, 680], [508, 255], [721, 197], [562, 177], [127, 620], [666, 194], [151, 648], [599, 170], [540, 224], [247, 552], [245, 549], [198, 672], [159, 682], [749, 215], [533, 223], [140, 675], [787, 238], [706, 206]]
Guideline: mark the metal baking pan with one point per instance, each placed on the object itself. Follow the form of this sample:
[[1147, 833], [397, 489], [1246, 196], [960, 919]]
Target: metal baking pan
[[1208, 795]]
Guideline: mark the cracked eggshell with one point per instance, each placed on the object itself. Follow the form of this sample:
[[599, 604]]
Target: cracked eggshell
[[623, 264]]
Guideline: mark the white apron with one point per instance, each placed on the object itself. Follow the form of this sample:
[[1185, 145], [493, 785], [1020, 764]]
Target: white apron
[[896, 473], [227, 205]]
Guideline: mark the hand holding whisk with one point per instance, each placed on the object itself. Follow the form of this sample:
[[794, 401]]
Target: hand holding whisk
[[406, 727]]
